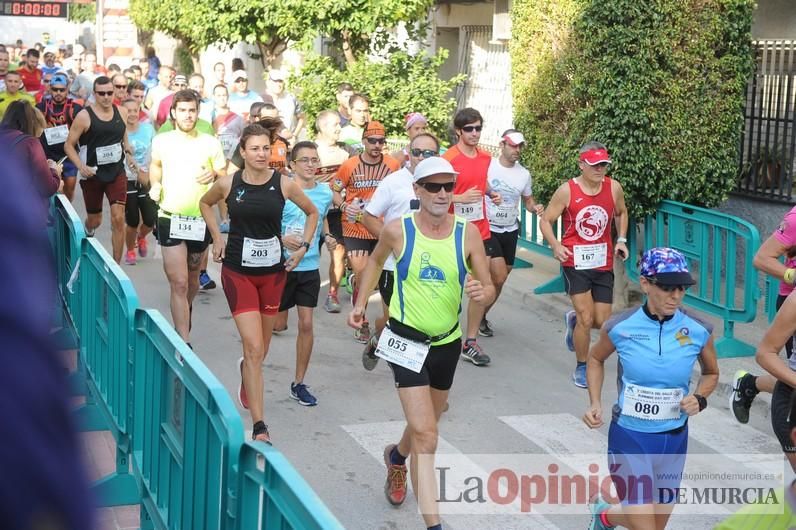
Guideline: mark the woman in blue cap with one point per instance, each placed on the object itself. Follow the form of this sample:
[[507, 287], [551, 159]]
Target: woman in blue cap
[[658, 345]]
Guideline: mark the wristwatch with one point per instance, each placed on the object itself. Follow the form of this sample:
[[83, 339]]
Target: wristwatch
[[307, 246], [621, 240], [703, 402]]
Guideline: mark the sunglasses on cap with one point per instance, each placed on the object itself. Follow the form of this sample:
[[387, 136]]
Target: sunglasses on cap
[[435, 187], [668, 288], [376, 141], [425, 153], [471, 128]]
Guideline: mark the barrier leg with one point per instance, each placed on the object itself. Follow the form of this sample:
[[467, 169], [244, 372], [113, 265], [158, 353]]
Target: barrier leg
[[145, 521], [520, 263], [119, 488], [555, 285], [88, 416], [729, 346]]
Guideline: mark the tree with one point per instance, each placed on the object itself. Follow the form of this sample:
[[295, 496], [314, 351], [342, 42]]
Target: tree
[[661, 82], [79, 13]]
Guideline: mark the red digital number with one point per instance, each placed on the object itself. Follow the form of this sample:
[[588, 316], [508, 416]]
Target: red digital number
[[15, 9]]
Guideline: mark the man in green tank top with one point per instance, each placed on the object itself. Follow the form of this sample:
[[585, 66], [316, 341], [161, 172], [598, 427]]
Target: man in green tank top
[[439, 259]]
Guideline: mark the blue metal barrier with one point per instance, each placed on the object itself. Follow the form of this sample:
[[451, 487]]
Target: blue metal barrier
[[531, 239], [107, 308], [718, 247], [187, 433], [68, 234], [273, 495]]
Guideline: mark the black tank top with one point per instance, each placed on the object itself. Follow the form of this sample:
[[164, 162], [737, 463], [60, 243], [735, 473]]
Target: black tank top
[[255, 213], [108, 136]]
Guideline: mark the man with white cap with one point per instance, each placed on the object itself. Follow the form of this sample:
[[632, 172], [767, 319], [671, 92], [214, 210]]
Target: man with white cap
[[588, 204], [439, 258], [49, 66], [507, 177], [241, 98], [288, 106]]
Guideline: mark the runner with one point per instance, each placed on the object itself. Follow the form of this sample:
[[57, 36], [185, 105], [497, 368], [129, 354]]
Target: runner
[[136, 91], [59, 112], [745, 385], [30, 73], [228, 125], [588, 203], [253, 272], [332, 155], [13, 92], [166, 76], [120, 85], [414, 123], [344, 93], [241, 99], [434, 252], [304, 282], [359, 176], [507, 177], [394, 198], [140, 212], [351, 134], [658, 345], [468, 202], [289, 107], [100, 127], [185, 162]]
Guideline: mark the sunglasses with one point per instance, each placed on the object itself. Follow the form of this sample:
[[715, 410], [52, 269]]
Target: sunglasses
[[376, 141], [435, 187], [425, 153], [241, 80], [103, 92], [308, 160], [668, 288], [120, 86], [53, 89], [46, 81], [471, 128]]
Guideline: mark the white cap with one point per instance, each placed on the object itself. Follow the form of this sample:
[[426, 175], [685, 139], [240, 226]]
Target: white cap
[[237, 74], [514, 138], [50, 49], [435, 165], [276, 75], [77, 49]]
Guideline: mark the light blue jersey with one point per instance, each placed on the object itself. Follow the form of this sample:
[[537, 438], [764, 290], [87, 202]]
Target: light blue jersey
[[293, 219], [656, 360]]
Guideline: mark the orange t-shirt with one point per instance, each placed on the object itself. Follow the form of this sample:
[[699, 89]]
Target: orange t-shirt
[[359, 180], [279, 153]]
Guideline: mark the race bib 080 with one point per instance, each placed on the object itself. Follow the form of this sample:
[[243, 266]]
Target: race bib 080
[[652, 403]]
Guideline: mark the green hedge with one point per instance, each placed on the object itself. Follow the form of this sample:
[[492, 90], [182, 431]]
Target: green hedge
[[400, 84], [661, 82]]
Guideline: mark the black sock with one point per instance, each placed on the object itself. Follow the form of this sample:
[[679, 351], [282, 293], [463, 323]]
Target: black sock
[[581, 363], [435, 527], [750, 387], [397, 458]]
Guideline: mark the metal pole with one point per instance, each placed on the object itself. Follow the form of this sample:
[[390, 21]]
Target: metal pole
[[100, 38]]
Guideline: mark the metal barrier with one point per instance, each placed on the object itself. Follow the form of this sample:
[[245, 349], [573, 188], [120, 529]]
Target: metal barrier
[[107, 308], [273, 495], [718, 247], [68, 234], [187, 432], [531, 239]]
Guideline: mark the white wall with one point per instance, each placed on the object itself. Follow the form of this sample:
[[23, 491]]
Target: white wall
[[29, 29], [775, 19]]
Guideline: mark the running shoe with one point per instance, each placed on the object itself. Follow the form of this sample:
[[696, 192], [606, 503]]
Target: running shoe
[[205, 283], [579, 376], [597, 506], [89, 231], [224, 227], [472, 352], [243, 399], [369, 359], [485, 328], [742, 395], [300, 392], [260, 433], [395, 485], [362, 335], [332, 304], [142, 247], [129, 257], [570, 319]]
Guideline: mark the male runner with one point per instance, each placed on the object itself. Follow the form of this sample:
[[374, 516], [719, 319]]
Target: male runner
[[359, 176], [472, 164], [586, 251], [13, 92], [507, 177], [59, 112], [101, 128], [434, 252], [30, 72], [332, 155], [4, 62], [344, 93], [351, 134], [184, 164]]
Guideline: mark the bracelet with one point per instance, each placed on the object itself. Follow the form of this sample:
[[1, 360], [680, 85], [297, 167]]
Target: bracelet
[[621, 240], [789, 276], [703, 402]]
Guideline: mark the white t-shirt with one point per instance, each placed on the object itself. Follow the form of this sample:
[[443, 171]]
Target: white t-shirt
[[392, 199], [289, 109], [512, 183]]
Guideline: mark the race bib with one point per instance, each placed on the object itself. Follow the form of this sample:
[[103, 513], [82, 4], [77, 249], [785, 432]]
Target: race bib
[[472, 211], [590, 256], [189, 228], [56, 135], [260, 252], [404, 352], [109, 154], [228, 142], [653, 404], [504, 214]]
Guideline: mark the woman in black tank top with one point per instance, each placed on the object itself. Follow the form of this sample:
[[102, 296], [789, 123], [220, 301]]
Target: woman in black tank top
[[254, 270]]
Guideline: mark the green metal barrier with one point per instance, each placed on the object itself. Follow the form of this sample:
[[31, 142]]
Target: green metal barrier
[[531, 239], [273, 495], [187, 433], [717, 247], [107, 308]]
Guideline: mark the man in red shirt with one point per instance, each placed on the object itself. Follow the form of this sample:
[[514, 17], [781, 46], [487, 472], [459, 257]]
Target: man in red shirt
[[588, 204], [30, 73], [472, 164]]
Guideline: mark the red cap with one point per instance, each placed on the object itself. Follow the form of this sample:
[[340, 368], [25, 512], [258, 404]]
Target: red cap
[[374, 128], [595, 156]]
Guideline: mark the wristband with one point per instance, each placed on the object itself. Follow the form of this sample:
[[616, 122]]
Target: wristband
[[305, 245], [621, 240], [703, 402], [789, 276]]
